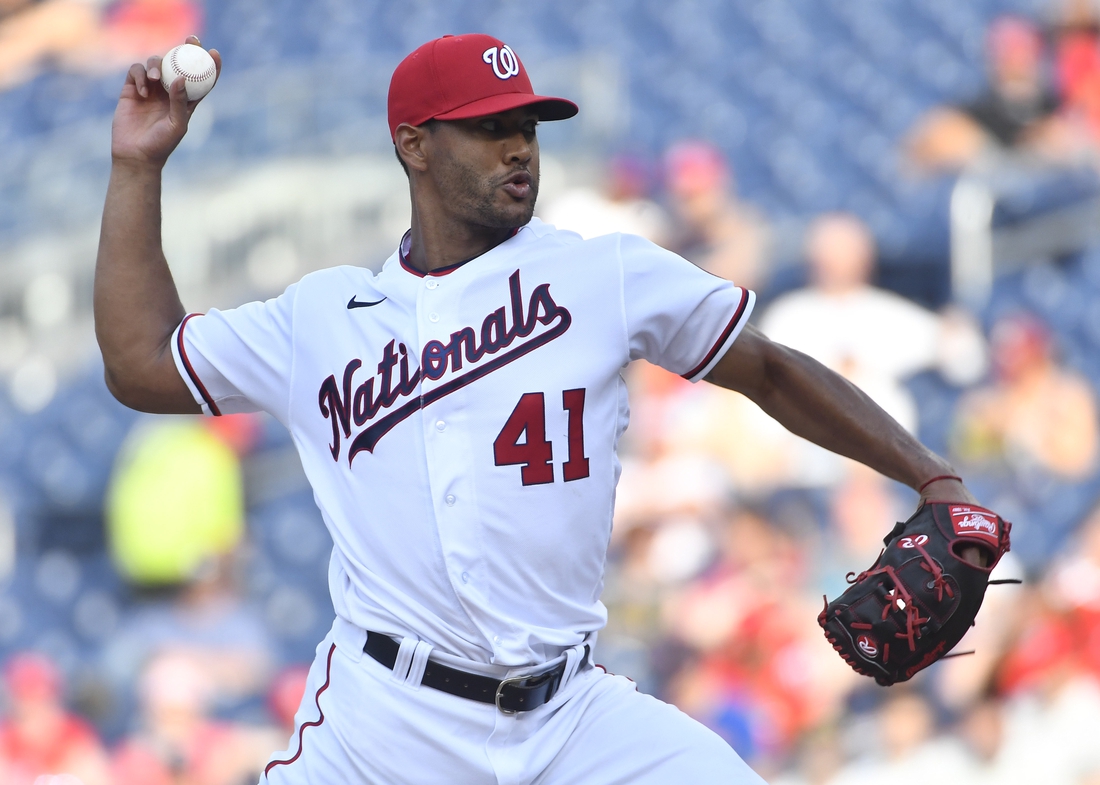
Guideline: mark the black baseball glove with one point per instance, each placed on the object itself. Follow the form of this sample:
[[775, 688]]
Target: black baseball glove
[[920, 596]]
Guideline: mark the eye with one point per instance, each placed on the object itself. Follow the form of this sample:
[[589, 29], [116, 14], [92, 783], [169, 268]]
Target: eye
[[529, 126], [490, 125]]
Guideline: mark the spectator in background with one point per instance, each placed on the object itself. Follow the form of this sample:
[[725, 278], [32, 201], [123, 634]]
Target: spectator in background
[[175, 514], [872, 337], [178, 743], [1074, 588], [90, 36], [981, 729], [1018, 110], [861, 506], [818, 758], [207, 622], [714, 228], [621, 204], [1077, 63], [905, 749], [175, 501], [1075, 574], [33, 34], [1035, 414], [37, 735], [758, 674], [284, 696], [1052, 705]]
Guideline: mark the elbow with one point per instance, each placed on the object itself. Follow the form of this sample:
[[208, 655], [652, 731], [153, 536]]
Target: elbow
[[144, 378], [123, 392], [130, 392], [773, 361]]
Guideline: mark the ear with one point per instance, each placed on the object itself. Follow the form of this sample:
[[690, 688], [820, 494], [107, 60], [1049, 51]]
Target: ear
[[410, 143]]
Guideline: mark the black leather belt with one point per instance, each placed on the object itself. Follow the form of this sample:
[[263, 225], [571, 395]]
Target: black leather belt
[[519, 693]]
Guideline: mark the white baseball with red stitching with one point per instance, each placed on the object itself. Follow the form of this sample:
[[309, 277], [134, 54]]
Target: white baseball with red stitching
[[194, 64]]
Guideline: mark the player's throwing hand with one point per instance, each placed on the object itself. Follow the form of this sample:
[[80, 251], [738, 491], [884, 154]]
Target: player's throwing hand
[[149, 120]]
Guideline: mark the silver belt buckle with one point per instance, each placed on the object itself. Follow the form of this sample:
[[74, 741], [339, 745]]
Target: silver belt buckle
[[500, 691]]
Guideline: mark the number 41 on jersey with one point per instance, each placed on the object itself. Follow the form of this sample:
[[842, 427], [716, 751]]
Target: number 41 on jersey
[[536, 454]]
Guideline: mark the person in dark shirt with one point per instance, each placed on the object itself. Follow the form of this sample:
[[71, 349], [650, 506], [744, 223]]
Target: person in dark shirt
[[1018, 111], [1017, 98]]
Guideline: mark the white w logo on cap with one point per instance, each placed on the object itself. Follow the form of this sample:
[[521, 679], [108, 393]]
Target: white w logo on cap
[[508, 65]]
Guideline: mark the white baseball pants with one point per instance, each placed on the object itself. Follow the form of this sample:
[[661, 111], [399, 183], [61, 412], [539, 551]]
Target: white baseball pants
[[359, 724]]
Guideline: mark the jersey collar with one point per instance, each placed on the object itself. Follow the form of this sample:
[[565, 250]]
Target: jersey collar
[[406, 244]]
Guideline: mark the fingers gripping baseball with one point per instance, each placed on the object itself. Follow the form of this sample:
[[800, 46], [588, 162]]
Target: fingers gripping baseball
[[151, 119]]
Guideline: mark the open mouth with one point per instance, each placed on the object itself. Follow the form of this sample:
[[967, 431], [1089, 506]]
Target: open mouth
[[518, 185]]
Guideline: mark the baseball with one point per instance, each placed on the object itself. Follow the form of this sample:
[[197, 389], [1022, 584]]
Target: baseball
[[195, 64]]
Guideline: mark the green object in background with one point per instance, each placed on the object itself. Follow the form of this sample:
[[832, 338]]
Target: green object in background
[[175, 500]]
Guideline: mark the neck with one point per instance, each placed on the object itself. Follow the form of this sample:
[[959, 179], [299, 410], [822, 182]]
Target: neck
[[440, 240], [1020, 88]]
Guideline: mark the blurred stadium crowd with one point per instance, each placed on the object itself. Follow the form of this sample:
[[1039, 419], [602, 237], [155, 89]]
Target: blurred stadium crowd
[[912, 188]]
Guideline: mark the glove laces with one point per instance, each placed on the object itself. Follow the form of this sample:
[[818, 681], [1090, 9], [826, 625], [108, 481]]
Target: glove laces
[[938, 583]]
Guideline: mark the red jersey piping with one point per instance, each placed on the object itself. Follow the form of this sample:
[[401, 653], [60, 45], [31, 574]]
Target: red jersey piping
[[316, 723], [723, 337], [214, 410]]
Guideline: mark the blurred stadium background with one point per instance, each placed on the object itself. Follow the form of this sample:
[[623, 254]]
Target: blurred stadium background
[[910, 185]]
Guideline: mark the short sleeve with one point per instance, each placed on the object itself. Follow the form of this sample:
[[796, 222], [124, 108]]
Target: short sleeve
[[678, 316], [239, 360]]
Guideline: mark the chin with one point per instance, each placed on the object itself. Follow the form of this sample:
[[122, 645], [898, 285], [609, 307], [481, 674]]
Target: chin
[[511, 217]]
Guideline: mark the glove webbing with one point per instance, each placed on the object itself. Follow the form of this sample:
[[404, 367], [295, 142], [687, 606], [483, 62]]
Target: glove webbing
[[899, 599]]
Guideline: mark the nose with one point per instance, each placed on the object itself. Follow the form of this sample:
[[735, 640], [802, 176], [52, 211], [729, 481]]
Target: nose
[[517, 150]]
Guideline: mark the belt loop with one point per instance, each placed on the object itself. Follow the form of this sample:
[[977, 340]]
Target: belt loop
[[573, 659], [349, 638], [400, 671], [418, 664]]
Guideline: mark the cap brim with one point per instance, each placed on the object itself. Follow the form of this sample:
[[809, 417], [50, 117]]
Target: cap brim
[[548, 108]]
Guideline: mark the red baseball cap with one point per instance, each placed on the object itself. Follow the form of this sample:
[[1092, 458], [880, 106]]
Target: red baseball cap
[[461, 76]]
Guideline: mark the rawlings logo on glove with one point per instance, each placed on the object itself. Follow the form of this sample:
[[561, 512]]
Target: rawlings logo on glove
[[920, 596]]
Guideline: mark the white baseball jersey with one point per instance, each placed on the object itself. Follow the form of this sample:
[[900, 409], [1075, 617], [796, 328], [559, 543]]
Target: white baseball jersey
[[459, 428]]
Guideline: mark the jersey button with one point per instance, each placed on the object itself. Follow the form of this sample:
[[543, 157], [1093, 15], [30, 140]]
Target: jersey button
[[440, 425], [433, 317], [465, 577], [432, 283], [450, 500]]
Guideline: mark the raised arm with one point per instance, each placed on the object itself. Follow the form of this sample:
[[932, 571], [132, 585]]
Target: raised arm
[[819, 405], [136, 304]]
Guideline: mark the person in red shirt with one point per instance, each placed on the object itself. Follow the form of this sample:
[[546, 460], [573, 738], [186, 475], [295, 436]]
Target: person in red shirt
[[38, 736], [177, 742], [87, 36], [1077, 64]]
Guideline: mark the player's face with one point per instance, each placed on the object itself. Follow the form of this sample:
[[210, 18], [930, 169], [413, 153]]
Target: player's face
[[487, 168]]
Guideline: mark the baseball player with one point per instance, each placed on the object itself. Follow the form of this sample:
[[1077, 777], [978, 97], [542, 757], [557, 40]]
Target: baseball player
[[457, 415]]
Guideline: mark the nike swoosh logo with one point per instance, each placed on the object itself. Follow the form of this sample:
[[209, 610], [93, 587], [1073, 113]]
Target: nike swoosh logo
[[353, 303]]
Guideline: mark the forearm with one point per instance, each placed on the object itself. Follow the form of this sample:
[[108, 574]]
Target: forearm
[[819, 405], [136, 304], [828, 410]]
